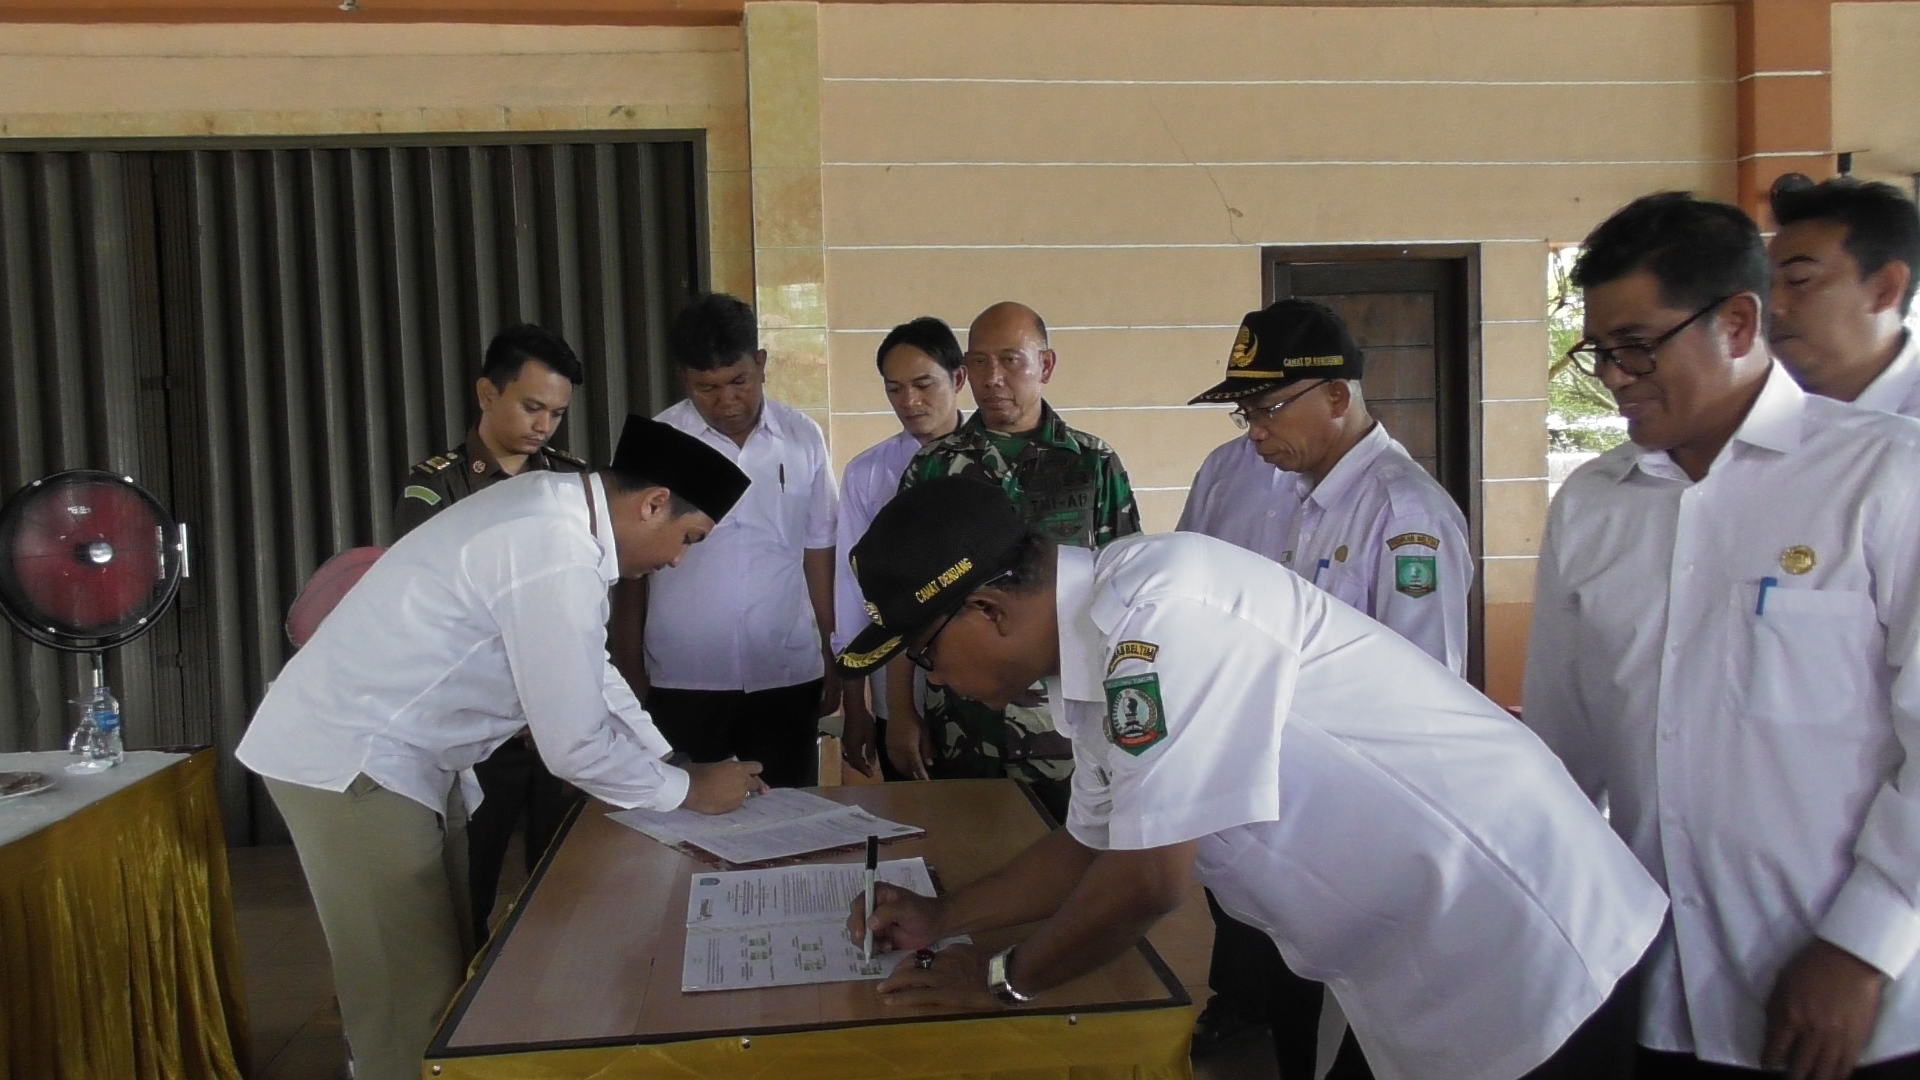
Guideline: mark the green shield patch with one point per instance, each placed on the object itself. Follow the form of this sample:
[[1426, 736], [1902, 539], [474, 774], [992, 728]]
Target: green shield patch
[[1415, 575], [1136, 719]]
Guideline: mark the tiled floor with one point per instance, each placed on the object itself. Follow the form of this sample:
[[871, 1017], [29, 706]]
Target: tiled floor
[[296, 1028]]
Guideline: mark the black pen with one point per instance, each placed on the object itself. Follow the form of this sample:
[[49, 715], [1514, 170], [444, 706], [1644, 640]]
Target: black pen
[[783, 476], [873, 863]]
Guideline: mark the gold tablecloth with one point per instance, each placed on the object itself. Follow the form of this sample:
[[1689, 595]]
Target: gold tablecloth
[[118, 954]]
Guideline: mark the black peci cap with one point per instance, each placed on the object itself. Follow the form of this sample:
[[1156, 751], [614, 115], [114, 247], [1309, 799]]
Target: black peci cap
[[665, 455], [1291, 341], [924, 553]]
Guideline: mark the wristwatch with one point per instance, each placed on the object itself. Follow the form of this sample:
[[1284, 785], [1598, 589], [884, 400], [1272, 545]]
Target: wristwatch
[[997, 983]]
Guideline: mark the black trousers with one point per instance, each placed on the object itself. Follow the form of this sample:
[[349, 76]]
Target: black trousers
[[1659, 1065], [1247, 968], [777, 728], [514, 784]]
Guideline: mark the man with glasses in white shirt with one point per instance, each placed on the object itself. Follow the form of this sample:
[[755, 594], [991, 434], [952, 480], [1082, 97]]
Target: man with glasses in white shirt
[[488, 618], [1399, 836], [1725, 649]]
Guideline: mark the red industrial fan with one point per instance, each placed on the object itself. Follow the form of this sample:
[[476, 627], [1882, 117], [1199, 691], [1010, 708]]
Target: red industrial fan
[[89, 560]]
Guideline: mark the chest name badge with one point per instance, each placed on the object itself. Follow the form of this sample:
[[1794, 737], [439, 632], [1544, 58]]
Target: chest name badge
[[1415, 575], [1135, 717], [1132, 650], [1797, 559]]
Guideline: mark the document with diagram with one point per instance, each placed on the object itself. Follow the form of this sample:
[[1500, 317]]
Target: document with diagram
[[786, 926]]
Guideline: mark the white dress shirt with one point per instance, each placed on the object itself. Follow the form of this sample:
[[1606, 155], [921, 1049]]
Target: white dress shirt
[[735, 614], [490, 617], [871, 480], [1896, 389], [1731, 664], [1237, 497], [1384, 536], [1399, 836]]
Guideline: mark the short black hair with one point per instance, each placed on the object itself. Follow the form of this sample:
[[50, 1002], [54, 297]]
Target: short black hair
[[1698, 250], [514, 345], [1032, 564], [621, 483], [930, 336], [714, 331], [1881, 222]]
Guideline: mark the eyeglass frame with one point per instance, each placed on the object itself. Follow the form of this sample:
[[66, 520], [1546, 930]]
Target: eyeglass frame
[[922, 657], [1243, 417], [1601, 354]]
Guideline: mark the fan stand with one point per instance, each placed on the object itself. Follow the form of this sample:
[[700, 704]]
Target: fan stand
[[89, 561]]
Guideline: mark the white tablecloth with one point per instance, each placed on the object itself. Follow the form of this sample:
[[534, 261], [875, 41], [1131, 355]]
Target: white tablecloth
[[29, 814]]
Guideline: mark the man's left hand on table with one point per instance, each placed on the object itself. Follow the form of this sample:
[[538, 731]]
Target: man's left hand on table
[[957, 979]]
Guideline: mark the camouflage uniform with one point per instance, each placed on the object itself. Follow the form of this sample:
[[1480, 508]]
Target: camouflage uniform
[[1072, 487]]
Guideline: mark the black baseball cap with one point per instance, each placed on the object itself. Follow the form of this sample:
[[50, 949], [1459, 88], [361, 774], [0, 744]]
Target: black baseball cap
[[1290, 341], [925, 552], [665, 455]]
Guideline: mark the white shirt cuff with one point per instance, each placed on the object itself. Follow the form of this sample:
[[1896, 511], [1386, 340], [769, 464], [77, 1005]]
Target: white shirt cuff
[[675, 782], [1874, 922]]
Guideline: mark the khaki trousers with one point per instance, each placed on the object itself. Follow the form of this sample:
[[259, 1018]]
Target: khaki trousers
[[382, 869]]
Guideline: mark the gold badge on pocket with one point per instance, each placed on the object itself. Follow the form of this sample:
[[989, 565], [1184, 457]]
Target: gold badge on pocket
[[1340, 553], [1797, 559]]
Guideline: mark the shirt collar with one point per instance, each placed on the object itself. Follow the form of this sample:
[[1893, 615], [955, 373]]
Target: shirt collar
[[1888, 390], [1349, 469], [1772, 423], [1081, 642], [1052, 431]]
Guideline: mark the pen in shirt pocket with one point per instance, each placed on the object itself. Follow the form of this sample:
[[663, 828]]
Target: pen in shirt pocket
[[783, 476], [1766, 583]]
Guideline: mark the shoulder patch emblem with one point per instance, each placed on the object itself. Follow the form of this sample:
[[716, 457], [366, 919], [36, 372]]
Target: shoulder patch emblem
[[1398, 542], [1136, 719], [566, 458], [424, 494], [1415, 575], [1132, 650], [437, 463]]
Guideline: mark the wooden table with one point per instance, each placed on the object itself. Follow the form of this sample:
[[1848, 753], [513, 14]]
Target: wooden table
[[583, 979]]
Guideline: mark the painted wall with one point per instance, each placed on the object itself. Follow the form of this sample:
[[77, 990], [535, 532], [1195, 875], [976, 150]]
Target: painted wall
[[1876, 88], [1120, 168], [110, 81]]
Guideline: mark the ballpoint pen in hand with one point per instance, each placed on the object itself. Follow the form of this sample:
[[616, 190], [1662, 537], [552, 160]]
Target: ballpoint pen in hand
[[873, 862]]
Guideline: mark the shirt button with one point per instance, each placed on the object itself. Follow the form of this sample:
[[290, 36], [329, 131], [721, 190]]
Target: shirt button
[[1689, 568], [1270, 513]]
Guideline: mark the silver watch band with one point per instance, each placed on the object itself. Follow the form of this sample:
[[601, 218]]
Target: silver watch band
[[997, 983]]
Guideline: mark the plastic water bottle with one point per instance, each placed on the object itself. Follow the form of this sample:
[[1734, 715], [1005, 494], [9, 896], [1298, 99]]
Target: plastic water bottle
[[106, 720]]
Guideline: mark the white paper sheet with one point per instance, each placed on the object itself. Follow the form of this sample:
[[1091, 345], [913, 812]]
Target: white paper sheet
[[781, 824], [786, 926]]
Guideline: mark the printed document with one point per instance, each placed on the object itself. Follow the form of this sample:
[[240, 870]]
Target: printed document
[[782, 824], [786, 926]]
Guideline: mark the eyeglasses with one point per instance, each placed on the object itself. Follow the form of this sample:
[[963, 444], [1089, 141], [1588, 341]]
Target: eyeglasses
[[1634, 358], [922, 656], [1244, 417]]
